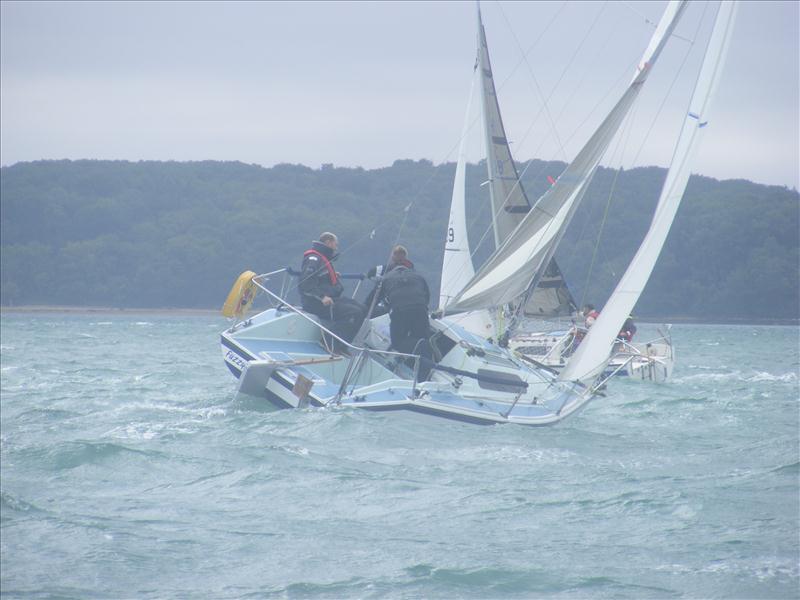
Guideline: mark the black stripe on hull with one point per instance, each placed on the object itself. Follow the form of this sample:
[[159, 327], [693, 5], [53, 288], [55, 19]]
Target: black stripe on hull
[[430, 411]]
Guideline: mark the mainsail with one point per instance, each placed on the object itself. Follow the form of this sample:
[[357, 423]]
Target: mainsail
[[593, 353], [551, 296], [508, 199], [517, 263]]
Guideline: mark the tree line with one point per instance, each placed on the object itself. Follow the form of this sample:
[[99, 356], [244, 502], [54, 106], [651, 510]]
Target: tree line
[[176, 235]]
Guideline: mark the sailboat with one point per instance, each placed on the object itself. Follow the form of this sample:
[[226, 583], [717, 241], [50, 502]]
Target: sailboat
[[292, 359], [522, 270]]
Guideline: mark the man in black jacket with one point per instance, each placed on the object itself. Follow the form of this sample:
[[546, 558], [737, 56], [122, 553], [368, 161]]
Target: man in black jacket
[[399, 257], [407, 295], [321, 290]]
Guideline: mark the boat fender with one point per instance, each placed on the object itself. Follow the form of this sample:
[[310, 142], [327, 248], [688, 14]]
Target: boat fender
[[241, 296]]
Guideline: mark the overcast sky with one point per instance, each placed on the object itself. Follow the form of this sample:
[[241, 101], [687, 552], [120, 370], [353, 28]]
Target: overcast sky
[[364, 84]]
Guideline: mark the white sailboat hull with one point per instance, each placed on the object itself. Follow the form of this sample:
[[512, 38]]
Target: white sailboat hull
[[280, 356], [650, 361]]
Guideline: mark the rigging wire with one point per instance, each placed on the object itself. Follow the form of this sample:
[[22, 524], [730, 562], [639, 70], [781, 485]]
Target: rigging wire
[[653, 121], [534, 250], [544, 100], [622, 142], [614, 86]]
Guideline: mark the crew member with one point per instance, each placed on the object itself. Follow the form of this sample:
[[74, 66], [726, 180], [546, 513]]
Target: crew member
[[590, 315], [399, 257], [407, 295], [628, 329], [321, 290]]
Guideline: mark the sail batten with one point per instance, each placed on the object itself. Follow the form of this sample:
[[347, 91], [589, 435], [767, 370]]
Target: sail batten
[[593, 353]]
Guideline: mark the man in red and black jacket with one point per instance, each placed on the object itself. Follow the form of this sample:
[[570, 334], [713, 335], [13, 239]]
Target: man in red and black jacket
[[321, 290]]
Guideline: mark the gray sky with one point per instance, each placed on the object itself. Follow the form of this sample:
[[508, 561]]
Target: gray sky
[[363, 84]]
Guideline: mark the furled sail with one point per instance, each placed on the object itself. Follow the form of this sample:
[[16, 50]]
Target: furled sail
[[510, 270], [593, 353]]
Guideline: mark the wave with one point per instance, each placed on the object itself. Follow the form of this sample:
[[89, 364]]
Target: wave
[[71, 455], [739, 376], [11, 502], [785, 378], [790, 469]]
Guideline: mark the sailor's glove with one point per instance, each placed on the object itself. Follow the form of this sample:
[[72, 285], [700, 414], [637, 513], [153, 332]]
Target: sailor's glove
[[375, 271]]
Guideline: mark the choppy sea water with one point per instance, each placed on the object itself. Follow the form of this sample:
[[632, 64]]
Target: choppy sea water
[[130, 470]]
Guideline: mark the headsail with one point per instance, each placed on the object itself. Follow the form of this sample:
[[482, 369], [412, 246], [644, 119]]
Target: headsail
[[514, 265], [457, 268], [594, 351]]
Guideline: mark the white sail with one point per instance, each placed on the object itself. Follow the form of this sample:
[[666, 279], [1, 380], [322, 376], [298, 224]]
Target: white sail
[[509, 202], [508, 199], [594, 351], [457, 268], [511, 269]]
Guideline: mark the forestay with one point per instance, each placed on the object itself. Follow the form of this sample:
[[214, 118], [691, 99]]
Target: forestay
[[593, 352], [514, 265]]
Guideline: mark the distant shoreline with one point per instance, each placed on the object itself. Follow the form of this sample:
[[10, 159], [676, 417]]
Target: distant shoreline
[[210, 312], [107, 310]]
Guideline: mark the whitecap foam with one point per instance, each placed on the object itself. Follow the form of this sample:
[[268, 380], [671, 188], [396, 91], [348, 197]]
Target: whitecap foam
[[136, 431], [732, 376], [298, 450], [763, 376]]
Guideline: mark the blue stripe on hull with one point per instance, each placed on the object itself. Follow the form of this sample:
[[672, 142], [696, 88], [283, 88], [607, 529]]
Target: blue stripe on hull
[[236, 372]]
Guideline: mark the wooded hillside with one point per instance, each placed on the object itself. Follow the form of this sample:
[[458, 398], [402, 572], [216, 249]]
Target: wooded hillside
[[167, 234]]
